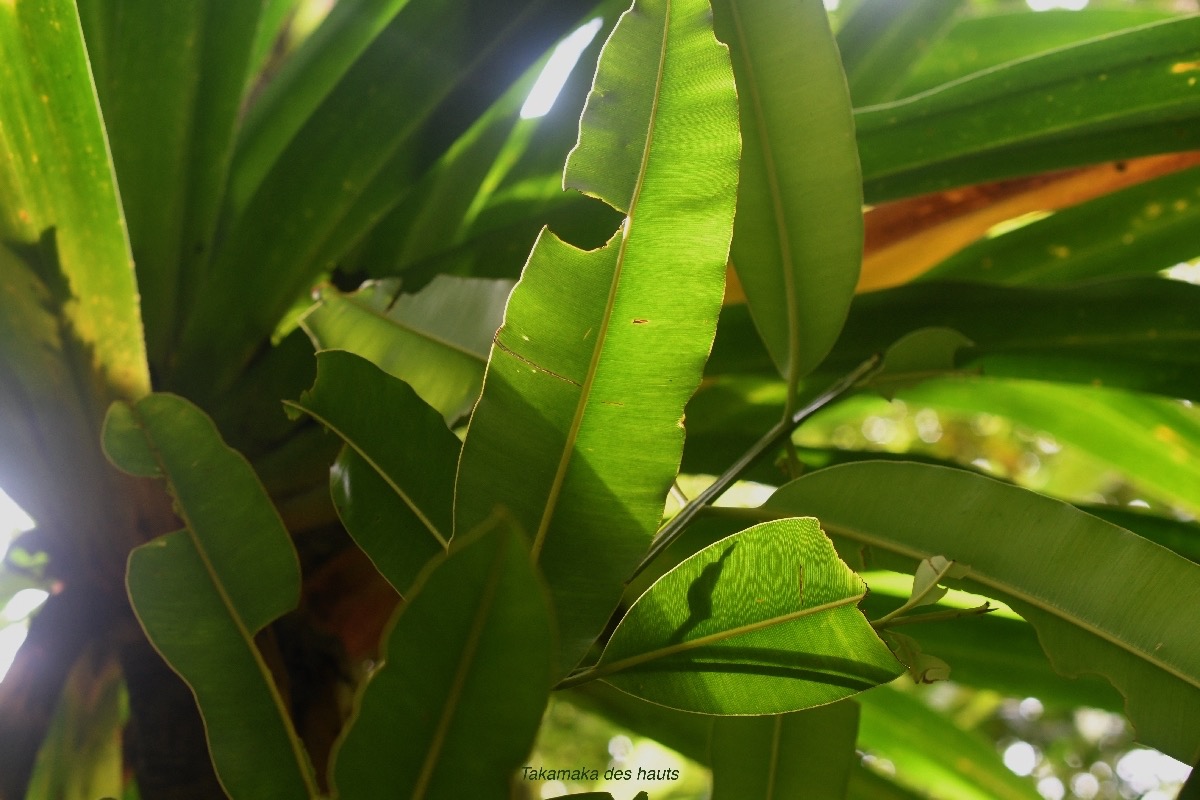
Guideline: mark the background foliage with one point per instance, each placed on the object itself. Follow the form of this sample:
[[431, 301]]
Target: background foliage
[[281, 420]]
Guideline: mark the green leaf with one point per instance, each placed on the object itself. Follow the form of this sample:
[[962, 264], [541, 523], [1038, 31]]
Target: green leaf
[[436, 340], [1138, 333], [976, 43], [202, 593], [929, 575], [600, 350], [1154, 441], [762, 622], [81, 757], [924, 353], [393, 483], [171, 79], [806, 754], [57, 189], [305, 80], [331, 183], [476, 638], [1139, 230], [1117, 96], [998, 653], [882, 39], [797, 242], [933, 755], [1063, 570]]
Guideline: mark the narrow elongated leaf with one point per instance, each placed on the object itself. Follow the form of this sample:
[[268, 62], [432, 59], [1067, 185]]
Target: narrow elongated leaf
[[305, 80], [476, 638], [762, 622], [806, 754], [405, 105], [977, 42], [202, 593], [1153, 441], [797, 241], [436, 340], [1135, 333], [882, 40], [1117, 96], [578, 427], [170, 78], [393, 483], [1143, 229], [1093, 590], [933, 755], [81, 758], [57, 188]]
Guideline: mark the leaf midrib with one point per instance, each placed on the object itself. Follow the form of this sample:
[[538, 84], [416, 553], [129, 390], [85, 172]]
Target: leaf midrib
[[298, 751], [646, 657], [582, 404], [777, 207], [352, 443], [388, 319], [465, 662]]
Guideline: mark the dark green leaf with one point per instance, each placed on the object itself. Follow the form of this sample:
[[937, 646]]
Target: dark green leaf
[[387, 119], [798, 238], [475, 640], [1065, 571], [202, 593], [436, 340], [806, 754], [1135, 333], [171, 128], [762, 622], [1117, 96], [600, 350], [393, 483]]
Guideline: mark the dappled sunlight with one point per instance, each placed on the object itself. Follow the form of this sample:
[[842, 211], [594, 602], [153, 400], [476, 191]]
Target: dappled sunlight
[[15, 610]]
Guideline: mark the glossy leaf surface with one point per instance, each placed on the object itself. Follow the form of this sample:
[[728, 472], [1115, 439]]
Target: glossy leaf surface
[[436, 340], [577, 430], [202, 593], [476, 637], [1055, 565], [806, 754], [797, 240], [762, 622], [393, 482], [1116, 96]]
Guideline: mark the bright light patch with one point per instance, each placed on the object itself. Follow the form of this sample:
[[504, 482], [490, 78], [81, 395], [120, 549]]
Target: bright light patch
[[1047, 5], [1021, 757], [11, 639], [22, 604], [832, 5], [13, 520], [554, 76]]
